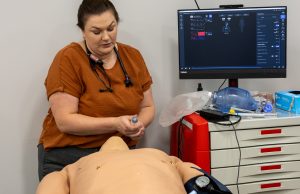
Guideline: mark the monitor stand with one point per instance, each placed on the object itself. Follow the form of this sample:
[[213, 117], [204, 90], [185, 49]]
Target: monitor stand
[[233, 83]]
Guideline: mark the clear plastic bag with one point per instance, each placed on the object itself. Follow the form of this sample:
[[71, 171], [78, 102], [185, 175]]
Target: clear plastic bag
[[181, 105]]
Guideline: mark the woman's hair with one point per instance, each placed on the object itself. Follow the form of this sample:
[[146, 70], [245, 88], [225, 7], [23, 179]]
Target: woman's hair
[[94, 7]]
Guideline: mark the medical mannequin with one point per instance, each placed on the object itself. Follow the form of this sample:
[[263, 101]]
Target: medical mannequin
[[116, 169]]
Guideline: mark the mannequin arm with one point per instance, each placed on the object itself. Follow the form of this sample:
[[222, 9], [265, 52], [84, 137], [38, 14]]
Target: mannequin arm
[[185, 169], [55, 182], [189, 175]]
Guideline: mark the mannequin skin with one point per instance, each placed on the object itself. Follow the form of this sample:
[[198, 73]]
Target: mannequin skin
[[116, 169]]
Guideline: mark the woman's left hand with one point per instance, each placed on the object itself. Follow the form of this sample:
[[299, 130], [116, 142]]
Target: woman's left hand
[[140, 132]]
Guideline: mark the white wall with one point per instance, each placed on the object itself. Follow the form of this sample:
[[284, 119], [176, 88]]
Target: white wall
[[32, 31]]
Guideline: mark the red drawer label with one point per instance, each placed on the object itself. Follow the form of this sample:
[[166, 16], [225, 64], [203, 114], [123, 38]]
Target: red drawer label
[[275, 149], [270, 167], [270, 131], [270, 185]]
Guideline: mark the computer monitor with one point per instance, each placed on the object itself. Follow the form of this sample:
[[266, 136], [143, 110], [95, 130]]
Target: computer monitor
[[232, 43]]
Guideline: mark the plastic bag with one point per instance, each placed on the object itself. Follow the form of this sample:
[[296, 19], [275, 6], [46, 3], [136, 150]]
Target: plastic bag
[[181, 105]]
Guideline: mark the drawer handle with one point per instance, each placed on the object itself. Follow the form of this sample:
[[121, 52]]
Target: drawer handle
[[275, 149], [270, 185], [270, 167], [272, 131]]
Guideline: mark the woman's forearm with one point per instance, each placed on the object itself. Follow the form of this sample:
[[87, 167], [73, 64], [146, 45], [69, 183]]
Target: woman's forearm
[[78, 124], [146, 115]]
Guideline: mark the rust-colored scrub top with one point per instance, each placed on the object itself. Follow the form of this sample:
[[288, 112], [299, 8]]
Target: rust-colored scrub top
[[71, 72]]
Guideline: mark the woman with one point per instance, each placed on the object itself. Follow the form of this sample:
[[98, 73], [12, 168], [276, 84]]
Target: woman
[[95, 88]]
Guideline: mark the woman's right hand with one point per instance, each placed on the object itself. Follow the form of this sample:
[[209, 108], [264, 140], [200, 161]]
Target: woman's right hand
[[125, 127]]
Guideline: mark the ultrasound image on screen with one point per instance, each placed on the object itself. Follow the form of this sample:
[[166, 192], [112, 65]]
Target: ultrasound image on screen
[[221, 40]]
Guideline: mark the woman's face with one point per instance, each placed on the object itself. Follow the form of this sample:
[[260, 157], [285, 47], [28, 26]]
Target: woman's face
[[100, 33]]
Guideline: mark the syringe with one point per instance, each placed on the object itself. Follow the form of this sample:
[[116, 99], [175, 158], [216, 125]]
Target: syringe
[[134, 120]]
